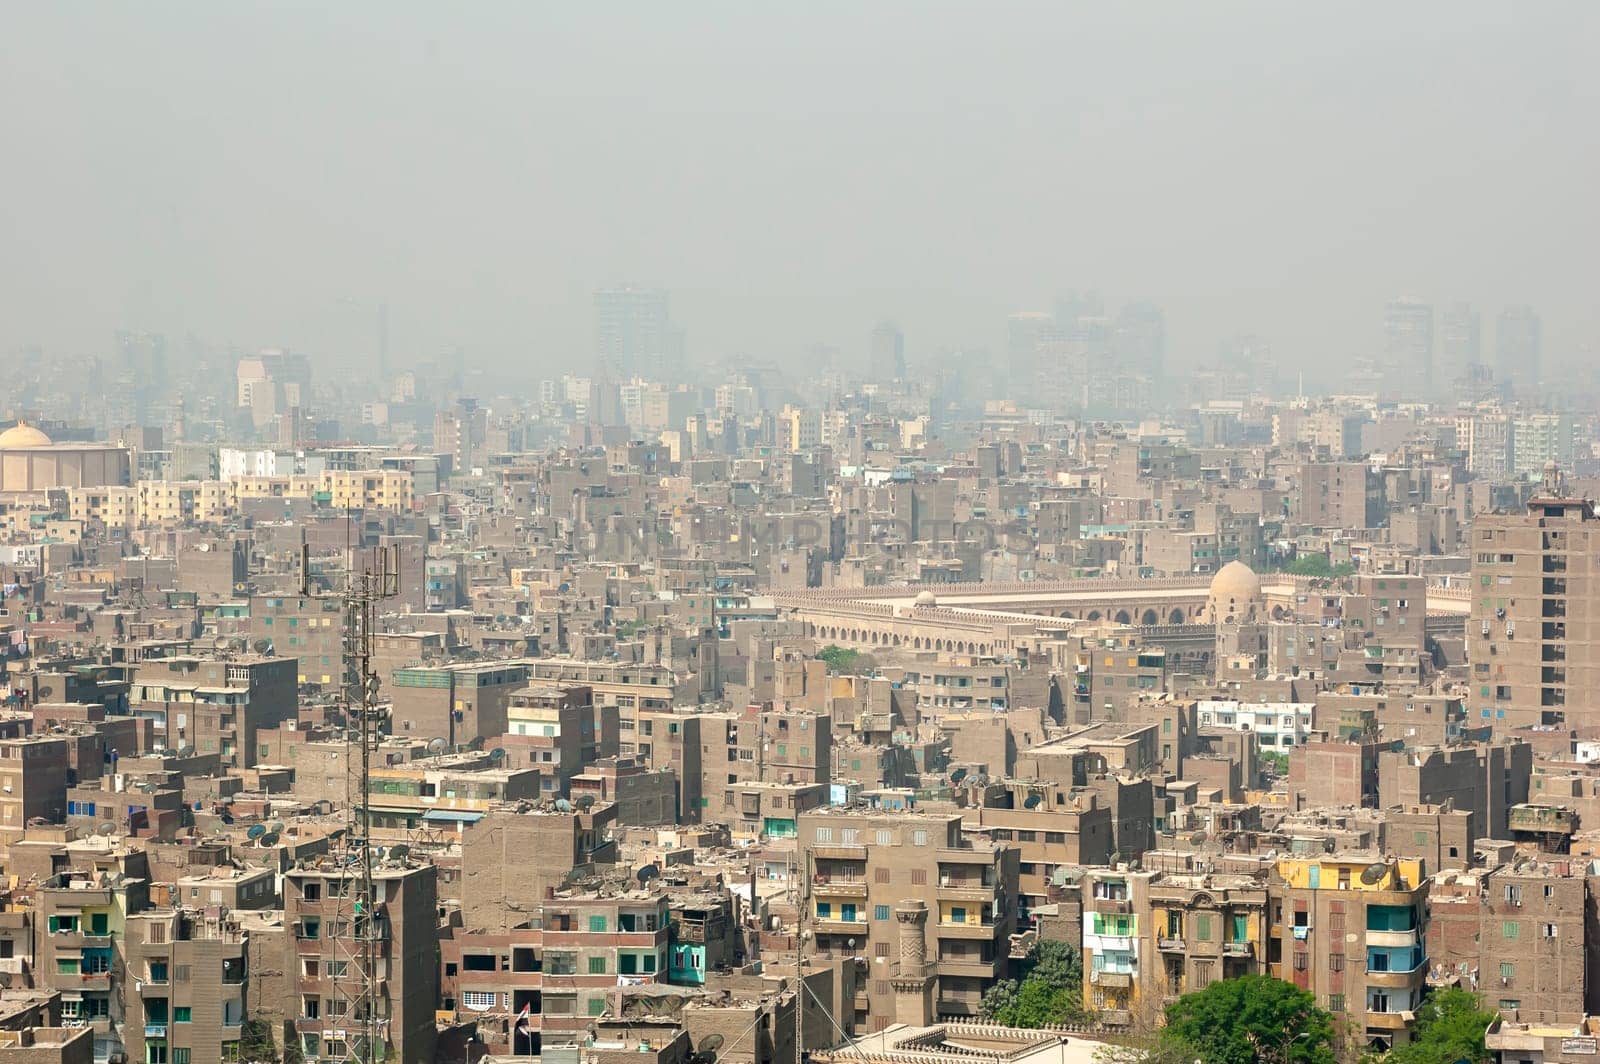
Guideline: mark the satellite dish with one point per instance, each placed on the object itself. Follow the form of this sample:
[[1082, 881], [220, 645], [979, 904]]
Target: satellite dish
[[437, 746], [646, 873], [277, 825], [256, 831], [1374, 873], [1197, 839], [1033, 801], [46, 691], [269, 839], [185, 751], [399, 852], [108, 828], [563, 806], [262, 646], [584, 802], [958, 775], [497, 755], [710, 1043]]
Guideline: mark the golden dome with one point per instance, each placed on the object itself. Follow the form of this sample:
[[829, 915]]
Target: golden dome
[[1237, 582], [23, 434]]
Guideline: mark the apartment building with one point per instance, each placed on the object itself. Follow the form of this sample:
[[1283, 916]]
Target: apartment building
[[306, 629], [327, 947], [83, 915], [1151, 936], [33, 780], [1277, 726], [1533, 639], [1513, 934], [1339, 495], [560, 967], [554, 726], [859, 866], [187, 987], [1351, 928], [215, 705], [460, 704]]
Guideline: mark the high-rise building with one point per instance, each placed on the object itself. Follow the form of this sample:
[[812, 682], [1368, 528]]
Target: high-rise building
[[634, 335], [1025, 331], [1139, 340], [1408, 348], [1517, 343], [887, 358], [1531, 640], [1460, 343]]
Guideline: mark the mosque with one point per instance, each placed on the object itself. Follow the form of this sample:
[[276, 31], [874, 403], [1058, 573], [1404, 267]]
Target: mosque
[[31, 461]]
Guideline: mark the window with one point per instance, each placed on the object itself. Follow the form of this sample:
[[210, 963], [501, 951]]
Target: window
[[1549, 930], [1510, 929], [182, 1013], [597, 1006], [1508, 972], [1336, 962], [180, 1055], [1510, 1004], [1302, 961], [884, 837], [597, 966], [880, 912], [597, 923], [919, 838], [1335, 1002]]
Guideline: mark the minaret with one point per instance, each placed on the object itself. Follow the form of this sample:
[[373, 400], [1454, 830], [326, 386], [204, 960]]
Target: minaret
[[913, 980]]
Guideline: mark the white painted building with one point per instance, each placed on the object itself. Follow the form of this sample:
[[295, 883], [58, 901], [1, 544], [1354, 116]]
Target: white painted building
[[1280, 725]]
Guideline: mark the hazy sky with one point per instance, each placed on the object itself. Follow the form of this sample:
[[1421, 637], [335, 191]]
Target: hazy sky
[[792, 172]]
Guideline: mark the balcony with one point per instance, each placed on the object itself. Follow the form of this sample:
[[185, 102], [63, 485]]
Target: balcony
[[1398, 980], [95, 981], [1238, 949], [1111, 906], [838, 851], [838, 925], [1400, 939], [1112, 980], [982, 932], [964, 890], [1171, 945], [155, 1030], [970, 965], [1389, 1021], [834, 887]]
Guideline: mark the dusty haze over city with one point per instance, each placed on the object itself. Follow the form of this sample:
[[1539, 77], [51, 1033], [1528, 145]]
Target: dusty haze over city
[[270, 174]]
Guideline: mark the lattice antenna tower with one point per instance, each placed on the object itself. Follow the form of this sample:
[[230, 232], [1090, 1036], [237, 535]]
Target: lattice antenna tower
[[360, 922]]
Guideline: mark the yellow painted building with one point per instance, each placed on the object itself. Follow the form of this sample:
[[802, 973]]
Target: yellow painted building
[[115, 506]]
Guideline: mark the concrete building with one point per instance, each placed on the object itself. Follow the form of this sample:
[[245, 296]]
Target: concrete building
[[1353, 932], [859, 866], [188, 987], [1533, 639], [327, 950], [31, 461]]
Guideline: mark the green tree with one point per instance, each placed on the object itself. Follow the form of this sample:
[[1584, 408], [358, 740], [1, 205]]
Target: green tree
[[1317, 565], [1051, 990], [1450, 1027], [1252, 1018], [843, 659]]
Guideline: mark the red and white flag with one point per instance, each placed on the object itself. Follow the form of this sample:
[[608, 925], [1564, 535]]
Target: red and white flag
[[523, 1017]]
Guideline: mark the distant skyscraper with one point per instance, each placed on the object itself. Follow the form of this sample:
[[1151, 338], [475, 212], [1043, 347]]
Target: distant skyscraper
[[888, 353], [1517, 342], [1139, 340], [634, 335], [1408, 348], [1025, 331], [1460, 343]]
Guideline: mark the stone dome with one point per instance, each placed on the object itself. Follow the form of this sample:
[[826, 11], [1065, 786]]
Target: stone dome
[[23, 434], [927, 599], [1236, 581], [1235, 594]]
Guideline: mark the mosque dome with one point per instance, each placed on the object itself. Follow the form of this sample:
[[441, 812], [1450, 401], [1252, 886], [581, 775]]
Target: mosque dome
[[1235, 593], [927, 599], [22, 435]]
